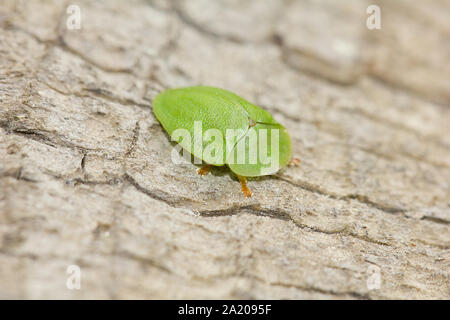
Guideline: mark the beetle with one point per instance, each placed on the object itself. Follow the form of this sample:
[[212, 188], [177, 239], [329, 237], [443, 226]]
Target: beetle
[[189, 112]]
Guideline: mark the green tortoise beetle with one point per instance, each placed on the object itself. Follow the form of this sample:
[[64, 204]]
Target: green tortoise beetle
[[222, 128]]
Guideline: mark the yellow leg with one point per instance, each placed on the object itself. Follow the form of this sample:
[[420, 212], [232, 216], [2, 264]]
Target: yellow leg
[[204, 170], [294, 162], [245, 190]]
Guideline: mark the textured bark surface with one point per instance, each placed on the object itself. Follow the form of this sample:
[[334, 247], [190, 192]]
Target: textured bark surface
[[85, 171]]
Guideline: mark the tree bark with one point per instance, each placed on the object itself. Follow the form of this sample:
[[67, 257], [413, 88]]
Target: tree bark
[[86, 177]]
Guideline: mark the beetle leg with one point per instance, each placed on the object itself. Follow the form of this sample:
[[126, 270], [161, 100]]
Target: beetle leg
[[294, 162], [204, 170], [245, 190]]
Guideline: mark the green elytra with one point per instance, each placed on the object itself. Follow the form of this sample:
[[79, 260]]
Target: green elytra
[[222, 110]]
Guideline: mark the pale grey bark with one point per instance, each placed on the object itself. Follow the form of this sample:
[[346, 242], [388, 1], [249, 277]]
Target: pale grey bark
[[85, 171]]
